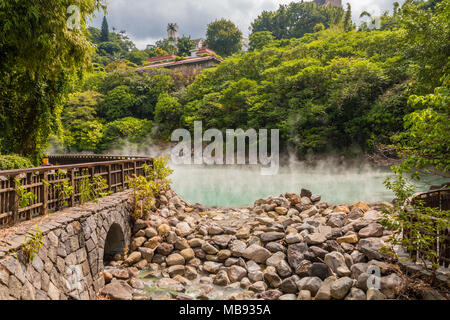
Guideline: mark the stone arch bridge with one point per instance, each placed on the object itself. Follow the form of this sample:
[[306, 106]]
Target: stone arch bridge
[[76, 243]]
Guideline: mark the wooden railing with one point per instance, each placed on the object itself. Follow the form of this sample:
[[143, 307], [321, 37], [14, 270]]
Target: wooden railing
[[65, 159], [439, 199], [46, 184]]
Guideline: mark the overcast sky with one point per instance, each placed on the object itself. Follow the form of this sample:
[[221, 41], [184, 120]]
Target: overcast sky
[[146, 20]]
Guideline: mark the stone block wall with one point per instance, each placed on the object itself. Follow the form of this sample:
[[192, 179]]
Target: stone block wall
[[69, 264]]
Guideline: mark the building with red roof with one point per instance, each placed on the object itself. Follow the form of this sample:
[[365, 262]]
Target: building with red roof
[[162, 59], [189, 67]]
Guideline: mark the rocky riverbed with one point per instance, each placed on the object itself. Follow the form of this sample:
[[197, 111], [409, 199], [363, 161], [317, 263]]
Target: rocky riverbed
[[291, 247]]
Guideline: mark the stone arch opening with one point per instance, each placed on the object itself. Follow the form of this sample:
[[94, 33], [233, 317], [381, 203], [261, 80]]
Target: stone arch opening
[[114, 243]]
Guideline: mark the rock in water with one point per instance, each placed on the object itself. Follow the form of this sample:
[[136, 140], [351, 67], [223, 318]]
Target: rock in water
[[222, 279], [362, 206], [133, 258], [175, 259], [305, 193], [118, 290], [171, 284], [236, 273], [211, 267]]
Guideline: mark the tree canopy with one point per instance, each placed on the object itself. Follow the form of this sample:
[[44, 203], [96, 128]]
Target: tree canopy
[[324, 91], [326, 85], [104, 36], [296, 19], [39, 55], [224, 37]]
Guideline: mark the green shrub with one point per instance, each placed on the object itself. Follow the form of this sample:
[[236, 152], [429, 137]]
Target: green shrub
[[147, 187], [421, 233], [25, 197], [33, 242], [13, 161]]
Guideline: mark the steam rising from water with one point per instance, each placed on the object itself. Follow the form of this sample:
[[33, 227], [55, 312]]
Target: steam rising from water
[[225, 185], [336, 180], [241, 186]]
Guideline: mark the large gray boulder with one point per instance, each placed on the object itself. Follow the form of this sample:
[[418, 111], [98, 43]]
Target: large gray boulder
[[336, 261], [371, 247], [257, 253], [341, 287], [372, 230], [311, 284], [118, 290]]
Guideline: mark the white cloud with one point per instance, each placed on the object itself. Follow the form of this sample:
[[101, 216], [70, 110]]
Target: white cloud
[[146, 20]]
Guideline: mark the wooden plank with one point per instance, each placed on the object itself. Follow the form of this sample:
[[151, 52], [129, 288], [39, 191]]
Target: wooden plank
[[29, 208], [122, 166], [109, 178], [6, 214], [72, 183], [44, 211], [15, 205]]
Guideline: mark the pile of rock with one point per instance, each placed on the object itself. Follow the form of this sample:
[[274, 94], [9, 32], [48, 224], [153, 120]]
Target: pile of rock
[[290, 247]]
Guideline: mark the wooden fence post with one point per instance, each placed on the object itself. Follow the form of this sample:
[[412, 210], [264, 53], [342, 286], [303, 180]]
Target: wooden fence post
[[123, 175], [72, 183], [44, 193], [109, 178], [15, 208]]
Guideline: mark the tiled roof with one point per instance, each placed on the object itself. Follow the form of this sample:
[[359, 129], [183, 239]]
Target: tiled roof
[[181, 62], [168, 57], [205, 50]]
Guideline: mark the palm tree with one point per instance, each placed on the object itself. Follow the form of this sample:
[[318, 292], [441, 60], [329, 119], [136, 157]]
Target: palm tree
[[172, 30], [396, 6], [368, 15], [365, 14]]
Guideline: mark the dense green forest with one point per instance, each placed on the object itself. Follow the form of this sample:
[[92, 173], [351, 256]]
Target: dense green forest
[[327, 84]]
